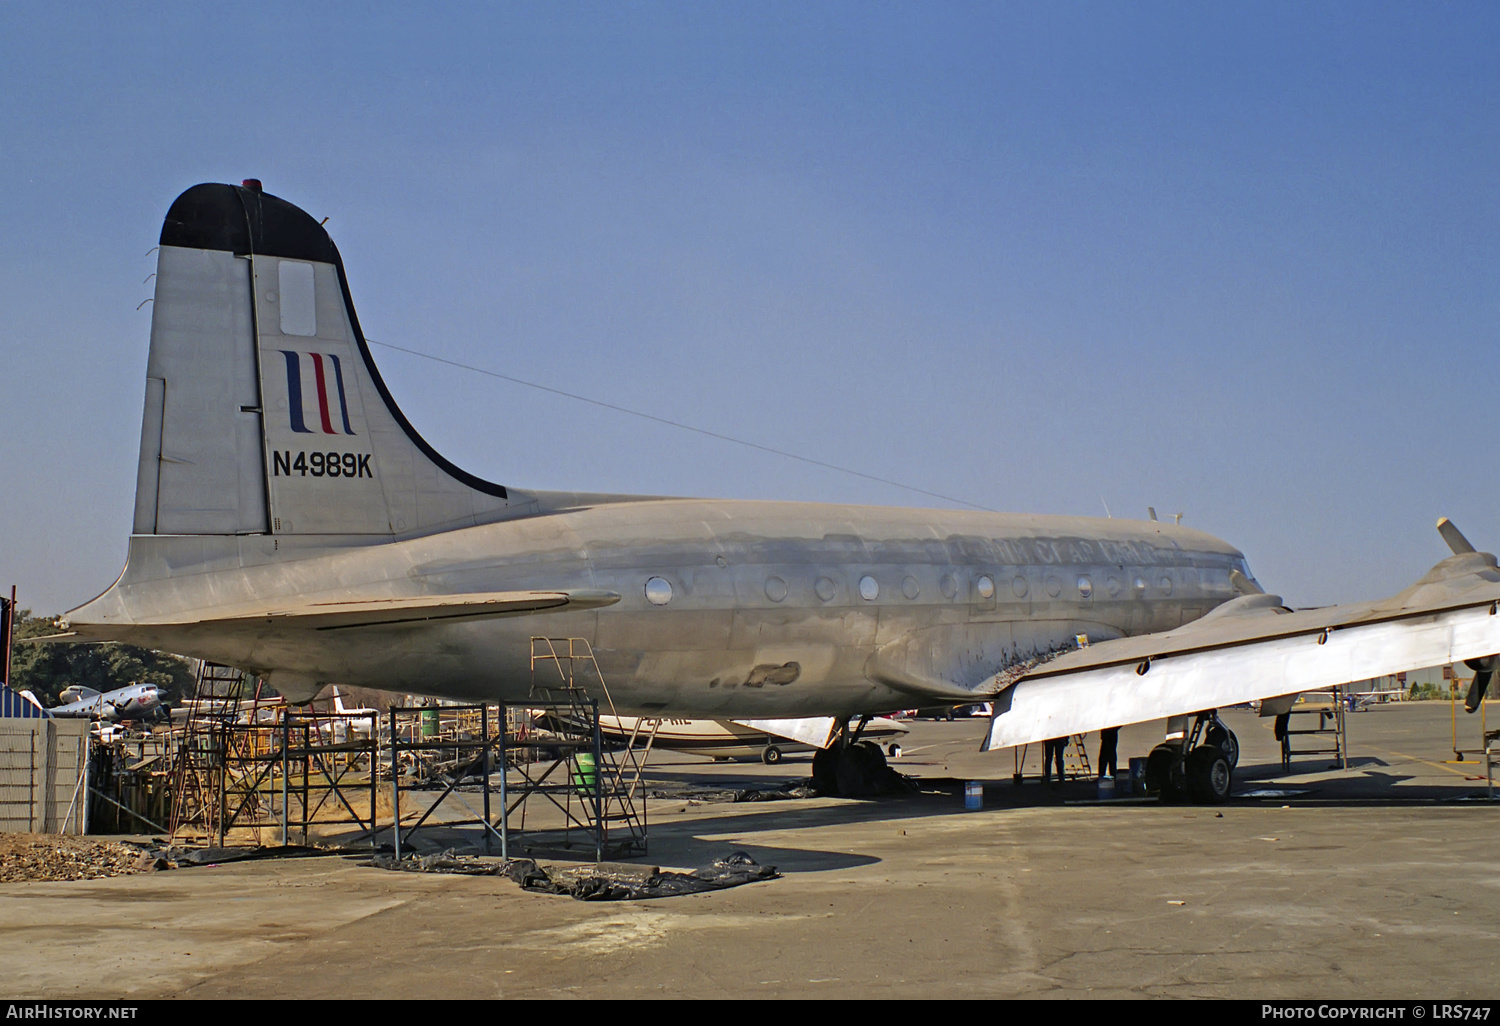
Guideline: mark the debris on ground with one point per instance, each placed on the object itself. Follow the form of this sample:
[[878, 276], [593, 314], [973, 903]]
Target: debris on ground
[[213, 856], [614, 881], [603, 881], [444, 862], [790, 791], [69, 857]]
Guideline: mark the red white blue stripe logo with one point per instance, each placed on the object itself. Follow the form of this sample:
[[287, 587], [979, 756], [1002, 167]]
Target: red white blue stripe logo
[[328, 385]]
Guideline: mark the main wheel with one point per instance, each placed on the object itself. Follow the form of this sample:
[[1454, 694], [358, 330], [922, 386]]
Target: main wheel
[[825, 778], [1209, 774], [1223, 738], [1159, 772], [771, 756], [893, 750], [860, 769]]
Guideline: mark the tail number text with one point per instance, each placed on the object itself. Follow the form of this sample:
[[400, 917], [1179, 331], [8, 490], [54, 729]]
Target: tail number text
[[320, 464]]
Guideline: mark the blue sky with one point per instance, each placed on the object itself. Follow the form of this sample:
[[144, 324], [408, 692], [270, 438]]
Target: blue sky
[[1238, 260]]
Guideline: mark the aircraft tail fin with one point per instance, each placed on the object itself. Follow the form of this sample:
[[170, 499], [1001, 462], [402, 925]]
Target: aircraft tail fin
[[264, 411]]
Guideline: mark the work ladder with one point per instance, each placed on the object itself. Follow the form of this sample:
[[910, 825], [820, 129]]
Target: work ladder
[[601, 784], [1076, 758], [1329, 737], [198, 773]]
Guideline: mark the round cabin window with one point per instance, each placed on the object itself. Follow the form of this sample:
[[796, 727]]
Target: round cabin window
[[658, 591], [869, 590]]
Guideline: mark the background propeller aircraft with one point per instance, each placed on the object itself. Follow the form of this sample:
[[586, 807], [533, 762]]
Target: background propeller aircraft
[[135, 702], [290, 521]]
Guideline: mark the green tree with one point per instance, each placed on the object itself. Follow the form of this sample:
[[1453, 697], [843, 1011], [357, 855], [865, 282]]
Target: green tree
[[46, 668]]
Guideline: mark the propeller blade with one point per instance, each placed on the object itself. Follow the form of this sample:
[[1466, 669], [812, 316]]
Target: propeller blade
[[1453, 536], [1484, 672], [1244, 585]]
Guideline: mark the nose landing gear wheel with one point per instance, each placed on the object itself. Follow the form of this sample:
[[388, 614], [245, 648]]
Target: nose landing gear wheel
[[771, 756]]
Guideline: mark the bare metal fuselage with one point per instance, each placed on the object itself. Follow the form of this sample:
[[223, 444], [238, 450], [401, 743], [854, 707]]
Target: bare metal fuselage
[[766, 617]]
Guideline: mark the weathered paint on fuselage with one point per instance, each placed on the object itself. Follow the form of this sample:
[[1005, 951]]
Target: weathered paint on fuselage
[[766, 616]]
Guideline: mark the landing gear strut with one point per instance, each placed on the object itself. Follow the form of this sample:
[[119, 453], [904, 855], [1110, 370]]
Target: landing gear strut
[[1184, 769]]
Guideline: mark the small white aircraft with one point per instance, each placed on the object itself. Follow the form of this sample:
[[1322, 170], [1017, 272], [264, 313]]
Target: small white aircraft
[[362, 722], [135, 702]]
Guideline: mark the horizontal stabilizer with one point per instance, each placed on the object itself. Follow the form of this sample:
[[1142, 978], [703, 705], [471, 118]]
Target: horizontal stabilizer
[[41, 639], [351, 614], [332, 616]]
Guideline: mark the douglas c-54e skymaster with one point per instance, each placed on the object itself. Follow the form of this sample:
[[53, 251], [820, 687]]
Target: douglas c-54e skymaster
[[290, 521]]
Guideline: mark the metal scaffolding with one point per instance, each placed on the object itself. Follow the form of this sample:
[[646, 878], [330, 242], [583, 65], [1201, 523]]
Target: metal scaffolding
[[260, 766], [553, 766]]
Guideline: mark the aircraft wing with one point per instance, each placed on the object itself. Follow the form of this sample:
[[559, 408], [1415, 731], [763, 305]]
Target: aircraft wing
[[352, 614], [1253, 648]]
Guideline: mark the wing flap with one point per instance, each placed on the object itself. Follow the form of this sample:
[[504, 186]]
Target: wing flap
[[1102, 689]]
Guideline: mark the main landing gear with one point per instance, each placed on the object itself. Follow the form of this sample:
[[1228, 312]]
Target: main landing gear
[[851, 768], [1198, 765]]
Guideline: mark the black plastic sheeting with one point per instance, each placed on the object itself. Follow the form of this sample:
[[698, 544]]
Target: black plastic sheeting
[[693, 793], [606, 881], [162, 855]]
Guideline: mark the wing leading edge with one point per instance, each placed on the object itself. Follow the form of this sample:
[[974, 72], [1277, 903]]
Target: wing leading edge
[[1253, 648]]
